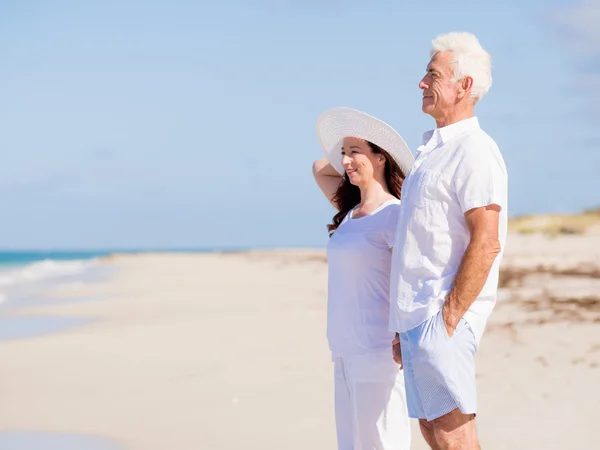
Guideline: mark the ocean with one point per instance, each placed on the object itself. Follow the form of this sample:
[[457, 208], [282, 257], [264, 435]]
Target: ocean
[[25, 274]]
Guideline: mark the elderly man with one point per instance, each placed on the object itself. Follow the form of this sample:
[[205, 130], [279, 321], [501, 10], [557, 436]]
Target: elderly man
[[450, 236]]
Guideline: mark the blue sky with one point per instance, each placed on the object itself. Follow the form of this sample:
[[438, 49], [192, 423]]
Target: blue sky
[[192, 124]]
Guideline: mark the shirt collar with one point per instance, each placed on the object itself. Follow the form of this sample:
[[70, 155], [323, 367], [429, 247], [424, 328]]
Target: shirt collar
[[447, 133]]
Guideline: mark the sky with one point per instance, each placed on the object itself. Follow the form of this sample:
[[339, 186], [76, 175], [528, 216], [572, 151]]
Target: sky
[[191, 124]]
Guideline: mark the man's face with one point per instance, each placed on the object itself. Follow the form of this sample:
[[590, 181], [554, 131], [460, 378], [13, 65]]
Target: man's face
[[440, 92]]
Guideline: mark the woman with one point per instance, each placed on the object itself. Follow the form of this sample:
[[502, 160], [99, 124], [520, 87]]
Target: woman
[[362, 174]]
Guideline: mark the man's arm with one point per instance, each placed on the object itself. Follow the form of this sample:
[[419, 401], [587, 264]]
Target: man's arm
[[476, 263]]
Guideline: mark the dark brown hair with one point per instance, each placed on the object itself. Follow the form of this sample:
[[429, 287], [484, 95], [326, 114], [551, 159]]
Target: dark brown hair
[[348, 195]]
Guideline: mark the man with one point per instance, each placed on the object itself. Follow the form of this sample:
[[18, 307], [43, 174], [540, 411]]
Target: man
[[450, 236]]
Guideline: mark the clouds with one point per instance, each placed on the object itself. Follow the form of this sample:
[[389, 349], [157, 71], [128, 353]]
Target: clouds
[[578, 30], [579, 25]]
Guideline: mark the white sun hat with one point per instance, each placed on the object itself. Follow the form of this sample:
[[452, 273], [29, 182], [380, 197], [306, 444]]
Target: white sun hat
[[337, 123]]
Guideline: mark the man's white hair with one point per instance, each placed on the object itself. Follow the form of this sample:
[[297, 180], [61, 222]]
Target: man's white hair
[[470, 59]]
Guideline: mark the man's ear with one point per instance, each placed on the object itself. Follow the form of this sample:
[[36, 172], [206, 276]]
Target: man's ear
[[466, 84]]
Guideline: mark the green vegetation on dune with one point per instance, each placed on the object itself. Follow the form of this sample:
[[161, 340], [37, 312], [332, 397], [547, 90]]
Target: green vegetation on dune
[[556, 224]]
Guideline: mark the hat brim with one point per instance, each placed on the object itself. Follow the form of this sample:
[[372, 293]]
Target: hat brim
[[338, 123]]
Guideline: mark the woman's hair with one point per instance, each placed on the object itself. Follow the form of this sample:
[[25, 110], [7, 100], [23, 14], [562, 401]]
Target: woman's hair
[[348, 195]]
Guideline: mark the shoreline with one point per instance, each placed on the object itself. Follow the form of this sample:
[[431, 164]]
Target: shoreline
[[40, 440], [187, 347]]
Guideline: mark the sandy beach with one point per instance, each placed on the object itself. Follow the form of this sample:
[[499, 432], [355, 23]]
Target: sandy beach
[[227, 350]]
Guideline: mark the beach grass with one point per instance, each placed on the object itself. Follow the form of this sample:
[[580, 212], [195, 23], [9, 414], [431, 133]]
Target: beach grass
[[557, 224]]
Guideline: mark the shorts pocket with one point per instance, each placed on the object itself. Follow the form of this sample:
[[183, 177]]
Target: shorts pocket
[[441, 326], [430, 339]]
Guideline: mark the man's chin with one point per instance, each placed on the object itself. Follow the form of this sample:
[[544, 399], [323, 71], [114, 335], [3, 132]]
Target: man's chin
[[428, 109]]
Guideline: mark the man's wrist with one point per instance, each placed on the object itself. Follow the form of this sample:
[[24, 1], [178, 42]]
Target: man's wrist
[[451, 318]]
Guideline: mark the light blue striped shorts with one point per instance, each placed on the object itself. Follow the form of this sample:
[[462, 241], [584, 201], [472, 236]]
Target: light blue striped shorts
[[439, 371]]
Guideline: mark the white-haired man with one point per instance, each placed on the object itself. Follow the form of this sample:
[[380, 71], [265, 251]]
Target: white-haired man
[[450, 236]]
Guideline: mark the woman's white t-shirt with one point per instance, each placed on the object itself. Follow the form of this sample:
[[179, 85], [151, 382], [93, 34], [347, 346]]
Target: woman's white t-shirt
[[359, 259]]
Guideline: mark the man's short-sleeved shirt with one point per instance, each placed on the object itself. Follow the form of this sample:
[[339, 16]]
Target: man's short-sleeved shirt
[[459, 167]]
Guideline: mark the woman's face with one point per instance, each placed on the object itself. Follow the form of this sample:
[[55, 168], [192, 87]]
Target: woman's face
[[359, 161]]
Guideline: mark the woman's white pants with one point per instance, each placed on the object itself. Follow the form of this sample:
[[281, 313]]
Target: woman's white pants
[[370, 403]]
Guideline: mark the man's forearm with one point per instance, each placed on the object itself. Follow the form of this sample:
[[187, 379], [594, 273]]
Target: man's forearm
[[470, 279]]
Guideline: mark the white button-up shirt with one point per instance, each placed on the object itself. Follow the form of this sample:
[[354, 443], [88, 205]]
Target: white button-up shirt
[[458, 168]]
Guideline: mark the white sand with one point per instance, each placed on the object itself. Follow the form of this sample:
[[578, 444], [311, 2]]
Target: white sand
[[213, 351]]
